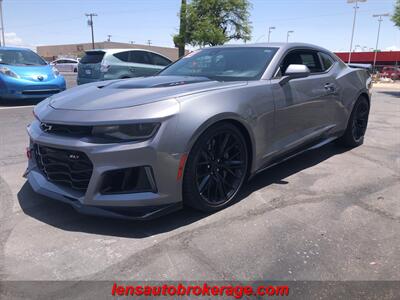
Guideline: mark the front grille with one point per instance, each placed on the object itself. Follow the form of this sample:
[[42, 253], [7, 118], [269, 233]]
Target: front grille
[[68, 130], [70, 168], [41, 92]]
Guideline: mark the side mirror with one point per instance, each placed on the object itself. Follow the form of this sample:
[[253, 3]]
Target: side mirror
[[294, 72]]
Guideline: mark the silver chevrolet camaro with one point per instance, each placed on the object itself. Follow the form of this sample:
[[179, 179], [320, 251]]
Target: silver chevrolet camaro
[[194, 133]]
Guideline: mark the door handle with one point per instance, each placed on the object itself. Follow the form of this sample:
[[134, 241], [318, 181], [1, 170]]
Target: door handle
[[132, 69], [330, 87]]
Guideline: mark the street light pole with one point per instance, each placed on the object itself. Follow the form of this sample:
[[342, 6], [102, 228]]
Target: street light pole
[[90, 23], [287, 35], [2, 24], [377, 38], [269, 32], [354, 24]]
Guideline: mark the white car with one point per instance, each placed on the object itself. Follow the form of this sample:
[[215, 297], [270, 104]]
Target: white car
[[66, 64]]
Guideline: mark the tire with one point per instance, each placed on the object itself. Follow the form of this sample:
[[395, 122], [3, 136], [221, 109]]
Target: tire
[[357, 125], [75, 70], [216, 168]]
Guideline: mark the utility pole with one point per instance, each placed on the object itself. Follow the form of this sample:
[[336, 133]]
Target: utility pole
[[2, 23], [269, 32], [90, 23], [109, 37], [354, 24], [288, 34], [377, 38], [149, 42]]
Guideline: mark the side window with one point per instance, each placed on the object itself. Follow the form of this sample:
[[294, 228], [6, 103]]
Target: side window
[[124, 56], [140, 57], [327, 61], [159, 60], [302, 57], [311, 60]]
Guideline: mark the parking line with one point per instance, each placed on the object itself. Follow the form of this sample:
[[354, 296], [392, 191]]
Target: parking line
[[12, 107]]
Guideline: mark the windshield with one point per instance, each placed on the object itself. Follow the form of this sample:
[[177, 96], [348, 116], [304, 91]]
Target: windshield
[[223, 64], [20, 57]]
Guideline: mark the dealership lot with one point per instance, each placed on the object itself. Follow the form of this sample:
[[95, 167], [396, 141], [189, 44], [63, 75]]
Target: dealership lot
[[329, 214]]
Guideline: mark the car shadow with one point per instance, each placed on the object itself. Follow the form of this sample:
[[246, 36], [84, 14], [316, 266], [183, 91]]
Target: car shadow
[[63, 216]]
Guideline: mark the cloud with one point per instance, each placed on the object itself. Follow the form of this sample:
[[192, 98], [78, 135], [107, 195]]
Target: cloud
[[12, 39], [392, 48]]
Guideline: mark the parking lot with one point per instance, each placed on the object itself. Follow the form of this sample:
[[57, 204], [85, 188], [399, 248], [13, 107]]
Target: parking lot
[[330, 214]]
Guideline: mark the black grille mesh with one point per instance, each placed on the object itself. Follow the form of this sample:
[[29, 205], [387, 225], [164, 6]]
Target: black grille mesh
[[71, 168]]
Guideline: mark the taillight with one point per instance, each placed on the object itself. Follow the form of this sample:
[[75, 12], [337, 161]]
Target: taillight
[[104, 68]]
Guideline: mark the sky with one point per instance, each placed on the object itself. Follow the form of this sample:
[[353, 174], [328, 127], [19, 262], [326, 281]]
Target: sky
[[326, 23]]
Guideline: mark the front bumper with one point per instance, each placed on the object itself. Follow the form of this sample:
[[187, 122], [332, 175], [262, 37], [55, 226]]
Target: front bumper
[[109, 157], [19, 89]]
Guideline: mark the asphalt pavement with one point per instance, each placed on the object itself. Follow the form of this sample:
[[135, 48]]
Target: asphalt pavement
[[329, 214]]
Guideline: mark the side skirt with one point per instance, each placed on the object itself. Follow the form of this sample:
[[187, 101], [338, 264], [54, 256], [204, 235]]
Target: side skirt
[[294, 153]]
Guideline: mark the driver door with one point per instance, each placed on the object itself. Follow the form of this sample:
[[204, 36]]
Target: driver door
[[304, 107]]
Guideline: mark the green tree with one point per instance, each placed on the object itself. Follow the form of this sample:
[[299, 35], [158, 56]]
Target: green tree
[[396, 14], [215, 22]]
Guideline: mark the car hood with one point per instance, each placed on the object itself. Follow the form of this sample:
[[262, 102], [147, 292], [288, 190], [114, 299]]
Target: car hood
[[133, 92], [33, 73]]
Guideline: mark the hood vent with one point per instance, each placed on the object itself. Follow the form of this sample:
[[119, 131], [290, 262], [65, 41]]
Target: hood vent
[[156, 82]]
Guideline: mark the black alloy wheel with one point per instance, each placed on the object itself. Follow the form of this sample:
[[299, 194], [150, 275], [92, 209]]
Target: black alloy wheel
[[357, 125], [360, 120], [216, 168]]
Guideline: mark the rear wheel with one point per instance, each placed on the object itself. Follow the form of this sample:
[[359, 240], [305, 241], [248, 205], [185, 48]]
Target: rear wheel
[[216, 168], [357, 125]]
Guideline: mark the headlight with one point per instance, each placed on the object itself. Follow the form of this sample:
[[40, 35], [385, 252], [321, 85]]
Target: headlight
[[130, 132], [55, 71], [6, 71]]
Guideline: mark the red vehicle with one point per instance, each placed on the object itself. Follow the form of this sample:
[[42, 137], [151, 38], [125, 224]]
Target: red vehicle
[[391, 72]]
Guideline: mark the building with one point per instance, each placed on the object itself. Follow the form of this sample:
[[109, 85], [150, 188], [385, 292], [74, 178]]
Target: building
[[384, 58], [77, 50]]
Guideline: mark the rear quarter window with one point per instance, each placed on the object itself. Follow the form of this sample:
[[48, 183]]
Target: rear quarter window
[[92, 57], [327, 61], [124, 56]]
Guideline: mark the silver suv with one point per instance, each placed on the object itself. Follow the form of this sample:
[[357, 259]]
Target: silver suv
[[106, 64]]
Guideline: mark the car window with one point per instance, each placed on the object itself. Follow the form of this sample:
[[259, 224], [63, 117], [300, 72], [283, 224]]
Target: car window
[[327, 61], [302, 57], [20, 57], [70, 61], [124, 56], [159, 60], [140, 57], [92, 57], [224, 64]]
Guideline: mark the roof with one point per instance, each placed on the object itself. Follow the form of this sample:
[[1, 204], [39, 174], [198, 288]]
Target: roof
[[116, 50]]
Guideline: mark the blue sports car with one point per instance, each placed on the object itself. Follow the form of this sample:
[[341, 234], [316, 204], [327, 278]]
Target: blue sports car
[[25, 75]]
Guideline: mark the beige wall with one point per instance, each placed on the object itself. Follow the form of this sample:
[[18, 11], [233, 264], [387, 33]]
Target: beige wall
[[77, 50]]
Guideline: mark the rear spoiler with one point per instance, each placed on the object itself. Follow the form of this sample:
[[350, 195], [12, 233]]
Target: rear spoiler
[[367, 67]]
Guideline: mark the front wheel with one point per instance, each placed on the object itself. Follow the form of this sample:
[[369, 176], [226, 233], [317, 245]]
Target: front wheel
[[216, 168], [357, 125]]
